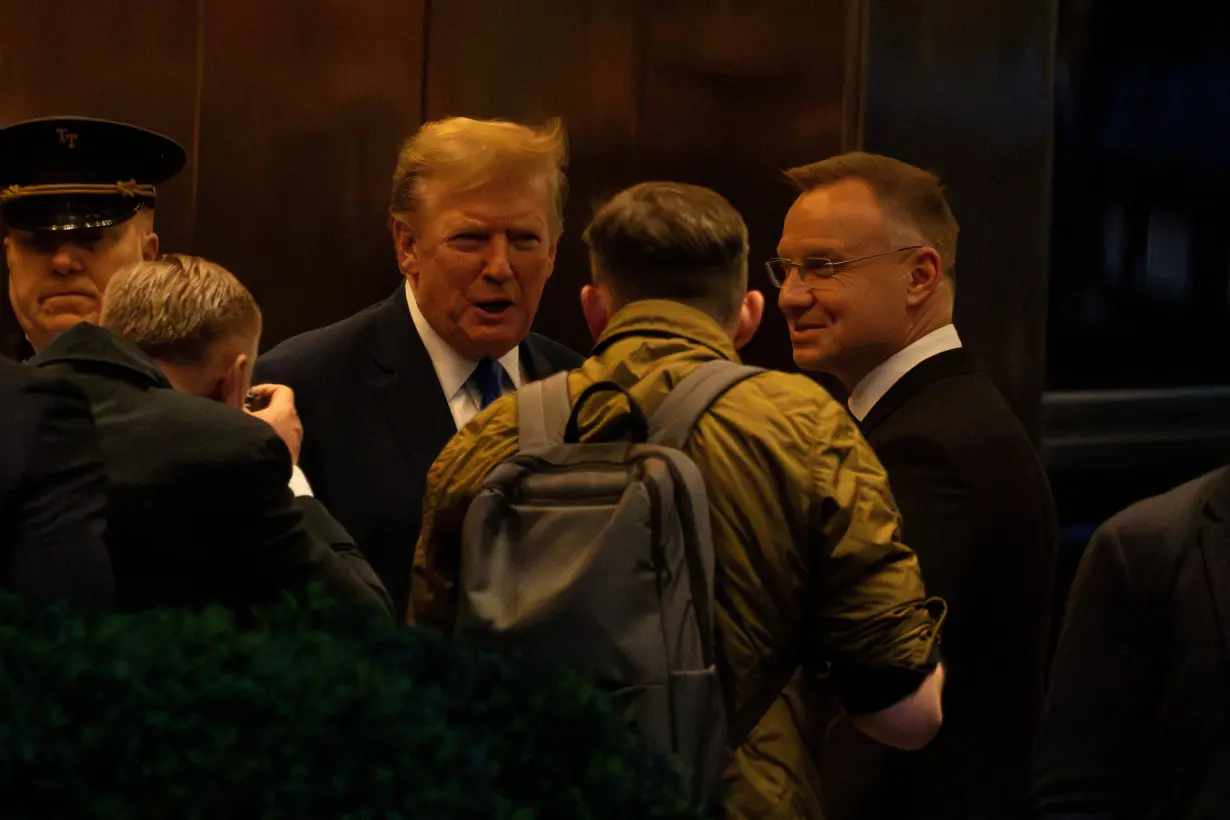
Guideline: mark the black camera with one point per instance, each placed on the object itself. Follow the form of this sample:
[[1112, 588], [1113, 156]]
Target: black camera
[[255, 401]]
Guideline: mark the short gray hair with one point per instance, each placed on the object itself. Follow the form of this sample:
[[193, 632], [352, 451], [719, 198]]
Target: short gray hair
[[671, 240]]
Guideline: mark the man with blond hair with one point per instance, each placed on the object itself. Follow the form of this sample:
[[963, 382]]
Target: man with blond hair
[[199, 508], [476, 213]]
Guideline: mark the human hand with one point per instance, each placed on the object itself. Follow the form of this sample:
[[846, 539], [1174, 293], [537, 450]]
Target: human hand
[[277, 409]]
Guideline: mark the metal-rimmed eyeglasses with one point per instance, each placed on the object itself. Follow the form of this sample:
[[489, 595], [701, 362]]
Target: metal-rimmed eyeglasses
[[816, 268]]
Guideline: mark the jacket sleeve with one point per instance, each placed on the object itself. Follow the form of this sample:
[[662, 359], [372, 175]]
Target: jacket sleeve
[[1100, 685], [355, 577], [874, 622], [278, 366], [59, 552], [297, 542]]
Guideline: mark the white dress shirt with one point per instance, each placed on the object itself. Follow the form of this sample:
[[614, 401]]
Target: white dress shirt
[[879, 381], [454, 370], [298, 482]]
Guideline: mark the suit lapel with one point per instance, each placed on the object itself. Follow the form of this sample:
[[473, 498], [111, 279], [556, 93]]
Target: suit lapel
[[939, 366], [533, 361], [406, 385], [1214, 540]]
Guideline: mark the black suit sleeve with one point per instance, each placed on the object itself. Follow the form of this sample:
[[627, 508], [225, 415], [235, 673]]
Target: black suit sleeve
[[58, 514], [269, 370], [357, 573], [1102, 681], [295, 541]]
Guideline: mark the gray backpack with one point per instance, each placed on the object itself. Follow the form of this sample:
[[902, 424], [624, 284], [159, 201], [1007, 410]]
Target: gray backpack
[[599, 554]]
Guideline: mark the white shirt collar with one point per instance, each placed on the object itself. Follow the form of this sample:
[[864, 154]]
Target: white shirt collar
[[452, 369], [880, 380]]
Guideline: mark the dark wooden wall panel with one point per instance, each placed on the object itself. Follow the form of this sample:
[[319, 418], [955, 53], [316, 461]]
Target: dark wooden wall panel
[[725, 96], [964, 87], [303, 108], [733, 97], [541, 58]]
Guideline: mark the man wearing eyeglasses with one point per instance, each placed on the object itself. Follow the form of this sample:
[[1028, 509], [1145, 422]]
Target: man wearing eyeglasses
[[865, 269]]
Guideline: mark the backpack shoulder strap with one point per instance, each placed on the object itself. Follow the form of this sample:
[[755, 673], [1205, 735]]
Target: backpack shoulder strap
[[543, 409], [672, 422]]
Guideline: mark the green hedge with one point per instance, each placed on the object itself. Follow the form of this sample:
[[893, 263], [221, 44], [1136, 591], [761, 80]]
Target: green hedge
[[313, 712]]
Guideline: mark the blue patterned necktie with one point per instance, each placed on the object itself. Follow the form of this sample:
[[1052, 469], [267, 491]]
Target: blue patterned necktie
[[488, 377]]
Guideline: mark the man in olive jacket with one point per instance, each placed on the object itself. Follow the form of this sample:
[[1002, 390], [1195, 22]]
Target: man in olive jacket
[[810, 568]]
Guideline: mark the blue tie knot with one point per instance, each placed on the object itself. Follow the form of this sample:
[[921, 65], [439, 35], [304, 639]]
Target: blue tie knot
[[488, 377]]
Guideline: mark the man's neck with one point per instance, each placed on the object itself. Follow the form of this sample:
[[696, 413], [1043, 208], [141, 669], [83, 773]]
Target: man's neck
[[184, 379], [927, 323], [921, 327], [876, 384]]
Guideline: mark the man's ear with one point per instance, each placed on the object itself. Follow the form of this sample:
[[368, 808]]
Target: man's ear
[[149, 246], [924, 277], [232, 388], [751, 312], [404, 247], [595, 304], [552, 249]]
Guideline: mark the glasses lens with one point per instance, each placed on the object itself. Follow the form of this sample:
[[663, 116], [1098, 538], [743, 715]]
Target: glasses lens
[[777, 271]]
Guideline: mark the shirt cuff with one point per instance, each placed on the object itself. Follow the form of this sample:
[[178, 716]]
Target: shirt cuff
[[298, 482], [865, 689]]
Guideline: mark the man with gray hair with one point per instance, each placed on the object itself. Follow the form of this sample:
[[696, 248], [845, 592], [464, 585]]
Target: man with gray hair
[[77, 199], [810, 567], [199, 509], [476, 213], [866, 267]]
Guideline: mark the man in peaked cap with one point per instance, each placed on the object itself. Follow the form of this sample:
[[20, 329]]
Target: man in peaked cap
[[77, 204]]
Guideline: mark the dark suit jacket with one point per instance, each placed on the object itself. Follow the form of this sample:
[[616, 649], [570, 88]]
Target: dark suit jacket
[[53, 492], [199, 510], [374, 419], [976, 507], [1137, 721]]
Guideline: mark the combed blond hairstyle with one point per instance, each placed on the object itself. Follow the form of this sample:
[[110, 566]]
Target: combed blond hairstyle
[[911, 196], [177, 307], [460, 154]]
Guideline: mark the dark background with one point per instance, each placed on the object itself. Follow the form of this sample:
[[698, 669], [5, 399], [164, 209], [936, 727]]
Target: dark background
[[1139, 320]]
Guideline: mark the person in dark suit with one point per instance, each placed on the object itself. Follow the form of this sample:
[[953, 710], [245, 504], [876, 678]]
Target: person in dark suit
[[53, 492], [77, 198], [199, 507], [476, 215], [867, 287], [1137, 717]]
